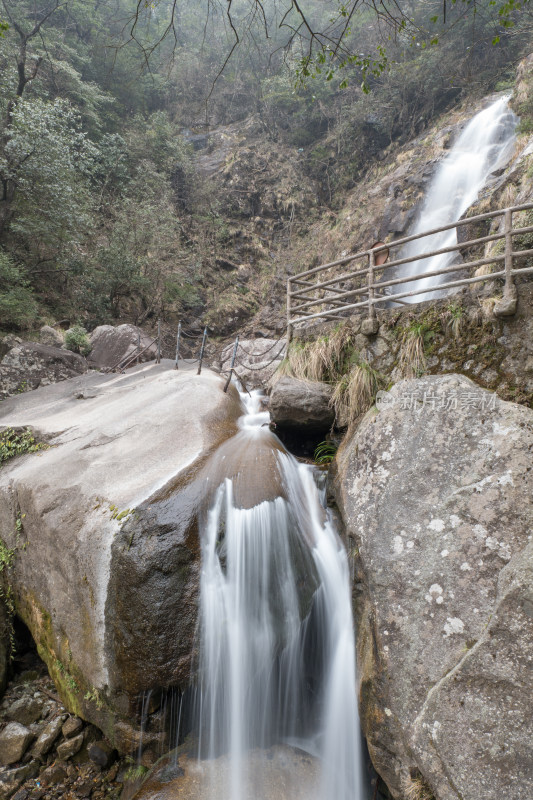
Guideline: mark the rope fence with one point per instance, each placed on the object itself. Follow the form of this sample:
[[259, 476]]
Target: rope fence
[[207, 349]]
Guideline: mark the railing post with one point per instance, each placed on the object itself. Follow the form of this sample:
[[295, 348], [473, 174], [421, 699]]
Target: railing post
[[370, 326], [232, 363], [371, 290], [506, 307], [158, 357], [202, 350], [138, 346], [289, 325], [509, 285], [178, 345]]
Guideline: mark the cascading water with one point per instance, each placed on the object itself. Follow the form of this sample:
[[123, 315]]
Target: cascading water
[[277, 657], [485, 145]]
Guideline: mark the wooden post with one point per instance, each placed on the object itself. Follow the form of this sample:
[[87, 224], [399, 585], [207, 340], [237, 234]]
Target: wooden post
[[158, 359], [289, 326], [232, 364], [178, 345], [138, 346], [204, 337]]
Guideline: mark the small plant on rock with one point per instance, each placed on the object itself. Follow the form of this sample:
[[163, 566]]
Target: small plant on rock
[[76, 339], [14, 443], [325, 452]]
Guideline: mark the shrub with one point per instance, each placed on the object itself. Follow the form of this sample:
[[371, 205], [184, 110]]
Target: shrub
[[76, 339]]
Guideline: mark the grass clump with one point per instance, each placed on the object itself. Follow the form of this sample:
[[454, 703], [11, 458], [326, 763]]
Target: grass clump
[[415, 340], [356, 392], [15, 443], [325, 359]]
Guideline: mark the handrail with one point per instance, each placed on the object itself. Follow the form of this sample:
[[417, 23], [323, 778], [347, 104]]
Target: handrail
[[307, 290]]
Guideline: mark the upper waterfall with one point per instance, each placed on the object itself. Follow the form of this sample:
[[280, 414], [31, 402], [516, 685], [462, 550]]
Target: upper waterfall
[[485, 145]]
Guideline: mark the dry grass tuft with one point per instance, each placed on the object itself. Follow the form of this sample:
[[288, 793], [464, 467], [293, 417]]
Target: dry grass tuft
[[355, 393], [419, 790], [321, 360], [412, 361]]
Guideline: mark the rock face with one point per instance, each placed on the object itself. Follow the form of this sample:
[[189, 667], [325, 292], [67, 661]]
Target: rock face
[[50, 336], [29, 365], [302, 405], [112, 345], [257, 360], [93, 515], [435, 492]]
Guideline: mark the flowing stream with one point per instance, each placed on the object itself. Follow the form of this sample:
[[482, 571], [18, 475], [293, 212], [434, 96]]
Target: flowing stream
[[485, 145], [276, 674]]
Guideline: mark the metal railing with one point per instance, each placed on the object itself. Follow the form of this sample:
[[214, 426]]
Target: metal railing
[[337, 292]]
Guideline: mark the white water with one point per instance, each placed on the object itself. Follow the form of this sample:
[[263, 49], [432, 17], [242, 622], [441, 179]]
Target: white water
[[277, 650], [485, 145]]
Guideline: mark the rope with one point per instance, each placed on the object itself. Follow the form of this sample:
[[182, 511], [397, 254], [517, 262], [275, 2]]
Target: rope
[[191, 335], [263, 366], [253, 355]]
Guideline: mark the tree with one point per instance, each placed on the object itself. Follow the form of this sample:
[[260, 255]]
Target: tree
[[322, 32]]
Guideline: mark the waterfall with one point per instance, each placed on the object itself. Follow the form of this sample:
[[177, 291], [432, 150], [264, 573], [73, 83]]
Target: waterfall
[[276, 672], [485, 145]]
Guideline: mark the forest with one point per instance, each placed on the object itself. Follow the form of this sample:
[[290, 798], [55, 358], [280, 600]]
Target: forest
[[104, 214]]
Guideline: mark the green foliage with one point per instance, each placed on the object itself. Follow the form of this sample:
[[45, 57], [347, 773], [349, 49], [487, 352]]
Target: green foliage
[[93, 696], [325, 452], [16, 442], [48, 158], [76, 339], [18, 307]]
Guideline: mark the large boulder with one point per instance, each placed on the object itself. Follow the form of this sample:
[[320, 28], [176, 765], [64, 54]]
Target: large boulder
[[435, 493], [104, 528], [111, 346], [29, 365], [301, 405], [256, 361], [51, 336]]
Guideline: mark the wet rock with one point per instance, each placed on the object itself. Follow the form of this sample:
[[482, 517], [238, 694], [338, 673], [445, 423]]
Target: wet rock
[[92, 497], [11, 779], [111, 345], [29, 365], [303, 405], [54, 774], [435, 493], [14, 741], [102, 754], [46, 739], [72, 726], [50, 336], [70, 747], [25, 710], [280, 773]]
